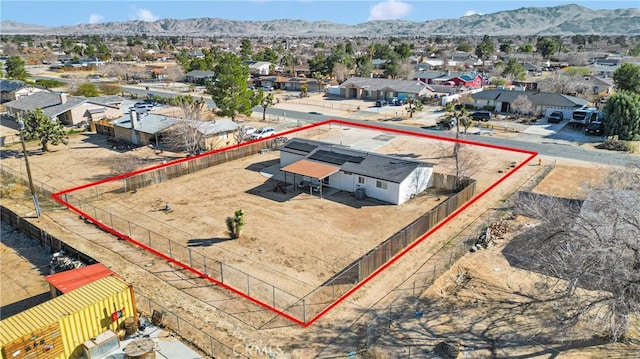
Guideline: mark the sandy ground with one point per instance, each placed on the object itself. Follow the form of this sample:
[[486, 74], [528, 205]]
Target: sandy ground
[[23, 265], [225, 316]]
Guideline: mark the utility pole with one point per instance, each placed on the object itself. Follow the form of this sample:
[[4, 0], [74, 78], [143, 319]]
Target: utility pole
[[26, 161]]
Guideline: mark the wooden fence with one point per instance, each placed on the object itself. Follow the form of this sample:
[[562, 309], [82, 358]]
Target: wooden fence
[[182, 168], [382, 253]]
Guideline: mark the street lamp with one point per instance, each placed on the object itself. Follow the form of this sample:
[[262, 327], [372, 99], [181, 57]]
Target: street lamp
[[26, 161]]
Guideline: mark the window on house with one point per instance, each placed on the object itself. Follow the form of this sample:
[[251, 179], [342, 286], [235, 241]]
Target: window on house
[[381, 184], [360, 180]]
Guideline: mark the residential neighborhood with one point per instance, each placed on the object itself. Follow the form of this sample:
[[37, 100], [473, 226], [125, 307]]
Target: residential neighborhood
[[239, 188]]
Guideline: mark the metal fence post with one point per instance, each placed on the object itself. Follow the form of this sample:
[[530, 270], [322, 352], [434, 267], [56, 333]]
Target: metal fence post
[[190, 259], [304, 311], [170, 254]]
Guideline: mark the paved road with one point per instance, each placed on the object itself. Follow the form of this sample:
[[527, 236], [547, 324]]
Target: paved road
[[528, 142], [533, 142]]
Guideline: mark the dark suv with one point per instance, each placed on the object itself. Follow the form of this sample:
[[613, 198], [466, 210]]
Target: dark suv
[[481, 116], [555, 117], [595, 128]]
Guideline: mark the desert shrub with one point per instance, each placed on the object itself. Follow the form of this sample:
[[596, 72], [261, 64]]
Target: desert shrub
[[615, 144]]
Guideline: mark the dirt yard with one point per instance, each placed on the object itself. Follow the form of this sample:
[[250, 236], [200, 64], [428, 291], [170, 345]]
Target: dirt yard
[[491, 309], [226, 317], [302, 240]]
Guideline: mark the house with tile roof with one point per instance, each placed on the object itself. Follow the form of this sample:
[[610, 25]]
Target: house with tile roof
[[320, 164]]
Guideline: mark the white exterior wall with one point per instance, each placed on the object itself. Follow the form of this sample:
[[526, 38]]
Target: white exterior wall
[[415, 183], [287, 158]]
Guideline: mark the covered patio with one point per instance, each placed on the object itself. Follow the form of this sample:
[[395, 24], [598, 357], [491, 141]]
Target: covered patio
[[312, 174]]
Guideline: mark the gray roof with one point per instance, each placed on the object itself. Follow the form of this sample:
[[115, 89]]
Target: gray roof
[[8, 86], [537, 98], [42, 99], [113, 101], [149, 123], [209, 128], [373, 165], [56, 110], [376, 84], [199, 74]]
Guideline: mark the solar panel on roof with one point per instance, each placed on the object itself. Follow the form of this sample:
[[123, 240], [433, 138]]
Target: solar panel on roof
[[335, 158], [301, 146]]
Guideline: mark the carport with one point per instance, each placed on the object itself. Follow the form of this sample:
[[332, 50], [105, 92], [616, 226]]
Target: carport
[[311, 169]]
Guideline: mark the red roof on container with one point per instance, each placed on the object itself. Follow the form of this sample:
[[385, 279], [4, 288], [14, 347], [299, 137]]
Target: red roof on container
[[72, 279]]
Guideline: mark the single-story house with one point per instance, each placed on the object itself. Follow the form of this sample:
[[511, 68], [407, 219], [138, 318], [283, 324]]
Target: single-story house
[[376, 89], [500, 100], [69, 110], [258, 68], [149, 128], [449, 78], [321, 164], [199, 76], [11, 90]]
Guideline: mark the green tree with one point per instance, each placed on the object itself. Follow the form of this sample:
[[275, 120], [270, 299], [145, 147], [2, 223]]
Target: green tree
[[364, 67], [15, 68], [547, 46], [507, 48], [304, 91], [38, 126], [622, 115], [229, 89], [403, 50], [265, 102], [267, 54], [526, 48], [627, 77], [485, 49], [514, 69], [464, 47], [246, 49], [86, 89]]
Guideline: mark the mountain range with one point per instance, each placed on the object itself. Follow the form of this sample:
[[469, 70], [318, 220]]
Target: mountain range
[[558, 20]]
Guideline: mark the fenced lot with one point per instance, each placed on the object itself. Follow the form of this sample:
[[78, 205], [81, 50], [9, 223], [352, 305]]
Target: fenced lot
[[292, 241]]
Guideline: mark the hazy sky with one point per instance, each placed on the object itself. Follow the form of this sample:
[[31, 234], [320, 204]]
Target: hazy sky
[[55, 13]]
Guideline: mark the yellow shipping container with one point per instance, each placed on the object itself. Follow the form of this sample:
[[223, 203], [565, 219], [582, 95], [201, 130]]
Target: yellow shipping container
[[57, 328]]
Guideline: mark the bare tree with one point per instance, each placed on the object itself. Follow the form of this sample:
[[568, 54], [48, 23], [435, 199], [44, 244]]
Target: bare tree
[[591, 250], [339, 72], [467, 164], [522, 105], [406, 69], [186, 134], [120, 165], [240, 134], [173, 73]]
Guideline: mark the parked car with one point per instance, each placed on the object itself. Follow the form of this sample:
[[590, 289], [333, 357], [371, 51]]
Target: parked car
[[381, 103], [263, 132], [481, 116], [555, 117], [248, 130], [141, 107], [595, 128], [315, 113], [268, 88]]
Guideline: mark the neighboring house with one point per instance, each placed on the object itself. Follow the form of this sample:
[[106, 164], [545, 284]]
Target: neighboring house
[[376, 89], [599, 86], [218, 133], [291, 83], [199, 77], [151, 128], [378, 64], [500, 100], [450, 78], [385, 178], [11, 90], [532, 69], [258, 68], [69, 110]]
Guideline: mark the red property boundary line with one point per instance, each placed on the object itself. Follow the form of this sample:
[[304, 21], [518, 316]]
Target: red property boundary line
[[58, 197]]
